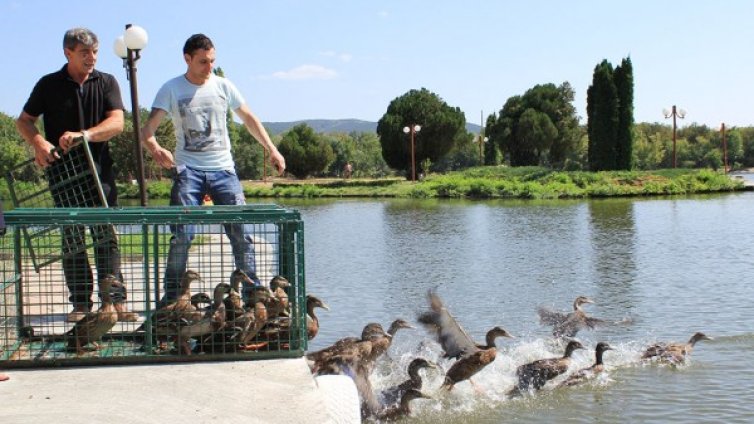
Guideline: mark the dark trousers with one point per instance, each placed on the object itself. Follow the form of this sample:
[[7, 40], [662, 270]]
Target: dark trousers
[[69, 191]]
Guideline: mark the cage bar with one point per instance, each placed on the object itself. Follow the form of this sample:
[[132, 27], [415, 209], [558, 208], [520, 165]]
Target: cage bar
[[37, 293]]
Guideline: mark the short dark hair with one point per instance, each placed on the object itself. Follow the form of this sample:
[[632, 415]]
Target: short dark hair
[[196, 42], [83, 36]]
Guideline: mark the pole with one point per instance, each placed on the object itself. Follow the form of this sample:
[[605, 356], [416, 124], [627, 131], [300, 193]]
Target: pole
[[133, 56], [264, 164], [481, 136], [725, 149], [413, 157], [674, 115]]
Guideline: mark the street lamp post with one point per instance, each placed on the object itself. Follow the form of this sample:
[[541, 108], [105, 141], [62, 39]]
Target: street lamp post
[[264, 164], [482, 139], [413, 129], [725, 148], [674, 113], [128, 47]]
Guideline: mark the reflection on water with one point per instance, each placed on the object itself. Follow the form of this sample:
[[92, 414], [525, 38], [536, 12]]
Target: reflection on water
[[673, 266]]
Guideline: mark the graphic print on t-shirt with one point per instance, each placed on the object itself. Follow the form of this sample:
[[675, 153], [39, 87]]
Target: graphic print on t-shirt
[[202, 121]]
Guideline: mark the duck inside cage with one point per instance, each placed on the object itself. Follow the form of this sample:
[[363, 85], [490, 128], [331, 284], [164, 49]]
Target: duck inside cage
[[109, 285]]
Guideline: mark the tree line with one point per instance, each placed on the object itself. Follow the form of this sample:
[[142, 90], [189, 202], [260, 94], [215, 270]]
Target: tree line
[[539, 127]]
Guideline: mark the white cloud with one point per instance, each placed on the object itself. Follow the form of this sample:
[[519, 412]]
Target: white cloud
[[306, 72], [383, 14]]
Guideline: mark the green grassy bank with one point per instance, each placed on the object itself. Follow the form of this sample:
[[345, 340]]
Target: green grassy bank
[[489, 183]]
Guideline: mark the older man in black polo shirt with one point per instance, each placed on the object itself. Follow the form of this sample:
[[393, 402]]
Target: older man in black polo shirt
[[79, 101]]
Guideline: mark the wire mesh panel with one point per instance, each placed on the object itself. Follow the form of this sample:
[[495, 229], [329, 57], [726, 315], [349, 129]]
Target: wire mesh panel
[[155, 284], [71, 181]]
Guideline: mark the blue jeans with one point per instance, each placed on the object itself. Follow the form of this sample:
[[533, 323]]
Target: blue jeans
[[189, 187]]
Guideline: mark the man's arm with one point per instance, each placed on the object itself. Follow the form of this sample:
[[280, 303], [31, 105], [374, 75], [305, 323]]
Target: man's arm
[[256, 129], [111, 126], [162, 156], [44, 153]]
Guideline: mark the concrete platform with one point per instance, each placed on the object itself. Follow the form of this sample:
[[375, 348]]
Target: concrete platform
[[264, 391]]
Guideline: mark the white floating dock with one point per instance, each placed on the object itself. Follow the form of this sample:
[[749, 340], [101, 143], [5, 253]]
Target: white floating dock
[[262, 391]]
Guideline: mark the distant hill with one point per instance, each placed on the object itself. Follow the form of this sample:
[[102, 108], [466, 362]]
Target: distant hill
[[336, 125]]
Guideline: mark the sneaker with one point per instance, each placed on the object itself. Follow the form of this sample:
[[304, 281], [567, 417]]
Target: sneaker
[[124, 315], [78, 313]]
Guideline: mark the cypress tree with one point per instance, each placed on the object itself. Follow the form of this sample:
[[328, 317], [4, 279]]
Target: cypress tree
[[624, 83], [602, 116]]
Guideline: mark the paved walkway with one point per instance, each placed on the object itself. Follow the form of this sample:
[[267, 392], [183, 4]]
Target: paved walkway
[[265, 391]]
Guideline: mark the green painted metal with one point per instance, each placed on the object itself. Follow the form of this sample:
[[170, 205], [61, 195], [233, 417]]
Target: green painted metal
[[123, 344]]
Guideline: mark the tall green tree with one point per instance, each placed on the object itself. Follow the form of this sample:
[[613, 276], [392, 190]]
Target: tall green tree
[[442, 126], [14, 150], [539, 127], [306, 152], [602, 118], [624, 85]]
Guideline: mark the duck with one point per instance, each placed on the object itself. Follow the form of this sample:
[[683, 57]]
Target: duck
[[346, 350], [591, 372], [674, 353], [254, 319], [201, 298], [279, 328], [312, 321], [356, 360], [166, 318], [95, 324], [281, 305], [403, 408], [392, 395], [317, 358], [456, 343], [214, 320], [536, 374], [568, 324]]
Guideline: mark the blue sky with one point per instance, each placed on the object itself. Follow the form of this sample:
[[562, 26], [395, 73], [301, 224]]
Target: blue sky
[[348, 59]]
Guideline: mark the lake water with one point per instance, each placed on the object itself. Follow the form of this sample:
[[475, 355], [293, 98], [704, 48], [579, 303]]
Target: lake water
[[669, 266], [672, 266]]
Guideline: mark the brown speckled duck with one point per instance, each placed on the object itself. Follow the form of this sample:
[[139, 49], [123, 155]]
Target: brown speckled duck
[[392, 395], [166, 319], [568, 324], [674, 353], [95, 324], [281, 305], [318, 358], [279, 329], [588, 373], [401, 410], [535, 374], [471, 356], [213, 320]]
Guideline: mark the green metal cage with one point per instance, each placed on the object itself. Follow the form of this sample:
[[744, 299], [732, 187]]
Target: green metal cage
[[36, 296]]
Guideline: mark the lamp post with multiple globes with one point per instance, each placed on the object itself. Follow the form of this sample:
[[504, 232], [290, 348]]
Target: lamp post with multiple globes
[[674, 113], [413, 129], [128, 47], [725, 148]]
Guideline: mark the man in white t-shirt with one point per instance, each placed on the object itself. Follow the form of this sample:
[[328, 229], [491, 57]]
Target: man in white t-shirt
[[197, 102]]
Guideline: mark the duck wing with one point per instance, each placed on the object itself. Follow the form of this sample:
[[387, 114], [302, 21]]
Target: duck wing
[[537, 373], [657, 349], [593, 323], [548, 316], [451, 336], [354, 367], [92, 326]]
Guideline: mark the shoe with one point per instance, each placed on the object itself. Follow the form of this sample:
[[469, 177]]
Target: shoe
[[78, 313], [125, 315]]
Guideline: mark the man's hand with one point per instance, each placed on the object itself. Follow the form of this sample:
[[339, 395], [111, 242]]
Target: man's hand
[[277, 160], [68, 139], [163, 157], [45, 154]]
